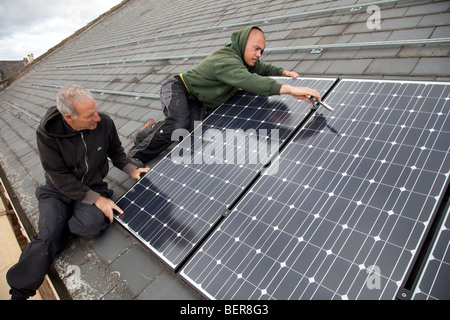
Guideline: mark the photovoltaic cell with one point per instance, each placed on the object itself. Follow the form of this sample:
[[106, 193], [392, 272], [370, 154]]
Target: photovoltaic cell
[[343, 215], [175, 205]]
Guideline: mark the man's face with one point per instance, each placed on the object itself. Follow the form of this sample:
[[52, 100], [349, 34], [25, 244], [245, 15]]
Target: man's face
[[87, 118], [256, 43]]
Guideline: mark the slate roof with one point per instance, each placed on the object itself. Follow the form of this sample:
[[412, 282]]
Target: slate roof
[[124, 57], [8, 68]]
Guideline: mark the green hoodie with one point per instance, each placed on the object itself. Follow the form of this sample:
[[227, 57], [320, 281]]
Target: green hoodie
[[220, 75]]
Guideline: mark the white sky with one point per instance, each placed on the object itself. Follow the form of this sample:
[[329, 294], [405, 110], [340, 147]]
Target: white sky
[[35, 26]]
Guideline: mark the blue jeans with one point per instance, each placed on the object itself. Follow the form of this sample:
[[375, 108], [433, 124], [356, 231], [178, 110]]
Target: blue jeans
[[59, 216], [181, 110]]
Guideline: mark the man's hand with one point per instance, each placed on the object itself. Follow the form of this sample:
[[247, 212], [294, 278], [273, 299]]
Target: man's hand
[[291, 74], [302, 93], [136, 174], [107, 206]]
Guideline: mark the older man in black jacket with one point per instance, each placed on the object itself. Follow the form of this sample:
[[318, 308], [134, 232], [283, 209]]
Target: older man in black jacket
[[74, 143]]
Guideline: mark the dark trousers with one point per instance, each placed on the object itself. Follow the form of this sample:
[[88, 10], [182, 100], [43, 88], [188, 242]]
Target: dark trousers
[[59, 216], [181, 110]]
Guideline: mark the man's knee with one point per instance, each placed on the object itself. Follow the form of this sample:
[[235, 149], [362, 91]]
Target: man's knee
[[88, 221], [88, 229]]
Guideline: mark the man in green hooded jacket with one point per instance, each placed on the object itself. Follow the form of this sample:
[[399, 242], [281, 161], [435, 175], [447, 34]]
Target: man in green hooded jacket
[[188, 97]]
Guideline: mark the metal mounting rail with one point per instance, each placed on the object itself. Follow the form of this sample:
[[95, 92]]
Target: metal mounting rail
[[25, 112], [313, 48], [136, 95], [100, 63], [319, 47], [350, 8]]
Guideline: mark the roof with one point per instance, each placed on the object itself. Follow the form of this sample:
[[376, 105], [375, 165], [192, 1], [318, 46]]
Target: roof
[[8, 68], [124, 56]]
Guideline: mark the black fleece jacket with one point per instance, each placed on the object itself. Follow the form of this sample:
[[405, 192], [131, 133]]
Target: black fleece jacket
[[75, 162]]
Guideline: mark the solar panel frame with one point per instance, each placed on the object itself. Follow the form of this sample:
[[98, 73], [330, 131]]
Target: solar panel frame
[[174, 206], [434, 281], [247, 257]]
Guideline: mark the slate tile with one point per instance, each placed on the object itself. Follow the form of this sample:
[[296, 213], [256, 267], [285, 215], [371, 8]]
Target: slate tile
[[128, 128], [440, 19], [424, 51], [371, 37], [441, 32], [144, 269], [432, 66], [429, 8], [384, 66], [418, 33], [351, 67], [330, 30], [113, 243], [313, 67], [400, 23], [167, 287], [378, 52]]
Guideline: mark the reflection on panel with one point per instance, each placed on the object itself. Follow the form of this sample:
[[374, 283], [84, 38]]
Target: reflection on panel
[[175, 205]]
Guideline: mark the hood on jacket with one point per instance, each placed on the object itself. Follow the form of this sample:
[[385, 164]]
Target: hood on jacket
[[53, 124], [239, 40]]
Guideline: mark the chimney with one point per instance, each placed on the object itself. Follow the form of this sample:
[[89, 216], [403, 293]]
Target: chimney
[[30, 58]]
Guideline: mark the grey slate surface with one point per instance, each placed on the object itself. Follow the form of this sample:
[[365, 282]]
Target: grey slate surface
[[126, 52], [8, 68]]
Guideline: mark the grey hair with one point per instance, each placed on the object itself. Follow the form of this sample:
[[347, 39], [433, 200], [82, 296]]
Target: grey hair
[[70, 95]]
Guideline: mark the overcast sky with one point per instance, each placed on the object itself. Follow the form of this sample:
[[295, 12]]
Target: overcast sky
[[34, 26]]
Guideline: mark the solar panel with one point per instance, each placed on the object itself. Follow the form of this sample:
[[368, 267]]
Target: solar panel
[[175, 205], [347, 211], [434, 282]]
